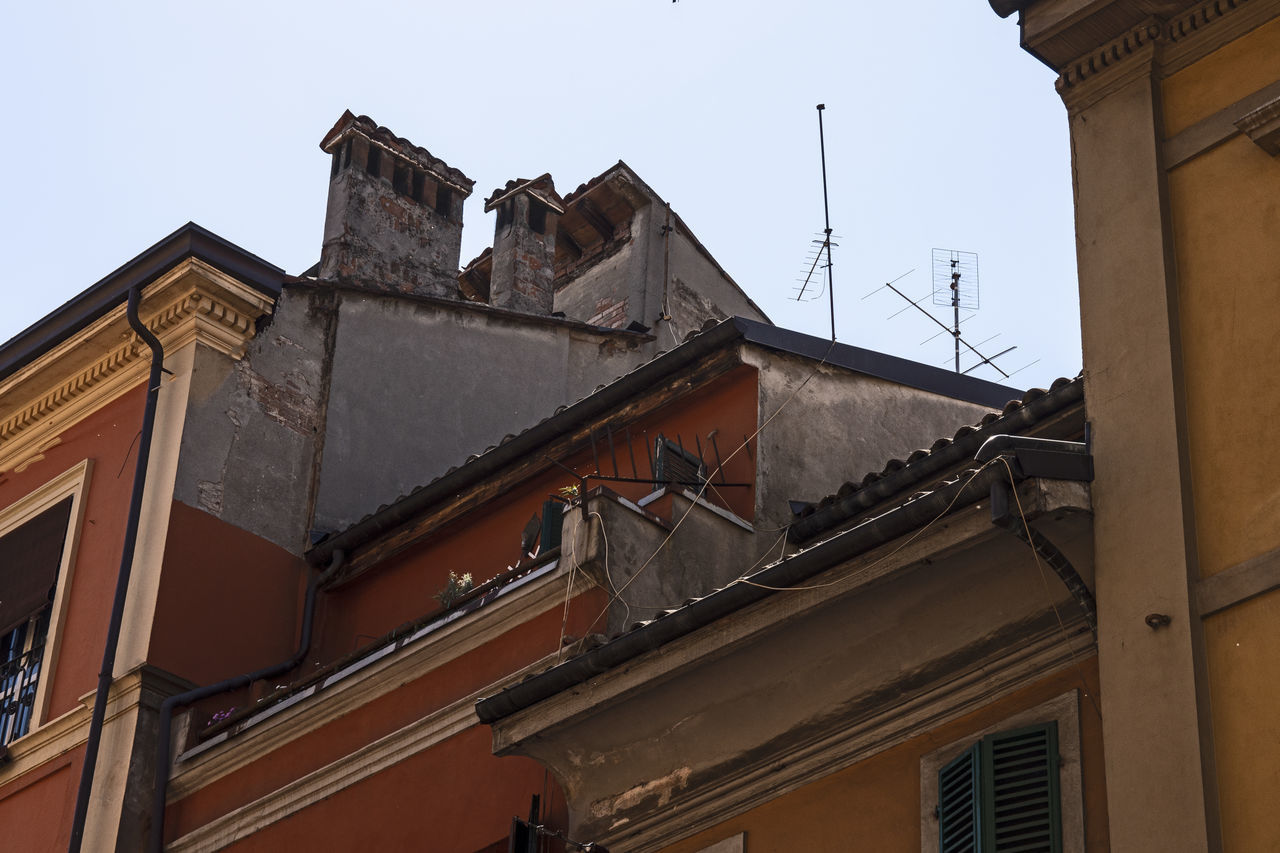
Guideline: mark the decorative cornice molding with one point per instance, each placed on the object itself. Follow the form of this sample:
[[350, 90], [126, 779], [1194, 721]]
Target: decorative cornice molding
[[1119, 51], [1206, 13], [192, 302], [1180, 40]]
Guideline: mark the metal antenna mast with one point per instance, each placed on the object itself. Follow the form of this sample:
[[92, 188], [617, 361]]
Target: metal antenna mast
[[823, 245], [955, 285], [826, 214]]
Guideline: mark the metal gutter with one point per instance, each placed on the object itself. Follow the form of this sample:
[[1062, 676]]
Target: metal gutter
[[105, 674], [934, 464], [730, 599], [189, 241]]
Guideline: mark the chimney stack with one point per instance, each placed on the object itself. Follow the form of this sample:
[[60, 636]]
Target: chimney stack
[[394, 218], [524, 245]]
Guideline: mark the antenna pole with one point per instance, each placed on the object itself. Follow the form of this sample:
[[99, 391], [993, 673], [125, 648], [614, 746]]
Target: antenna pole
[[826, 213], [955, 306]]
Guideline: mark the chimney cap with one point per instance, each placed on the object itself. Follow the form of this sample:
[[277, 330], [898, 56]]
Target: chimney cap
[[542, 188], [349, 123]]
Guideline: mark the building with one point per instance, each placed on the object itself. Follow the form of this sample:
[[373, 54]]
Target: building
[[329, 567], [865, 690]]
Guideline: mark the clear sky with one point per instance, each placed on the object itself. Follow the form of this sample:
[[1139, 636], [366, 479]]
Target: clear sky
[[127, 120]]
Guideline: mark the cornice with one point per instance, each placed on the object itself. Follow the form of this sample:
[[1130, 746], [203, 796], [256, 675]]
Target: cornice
[[31, 753], [1060, 649], [1169, 44], [1133, 51], [192, 302]]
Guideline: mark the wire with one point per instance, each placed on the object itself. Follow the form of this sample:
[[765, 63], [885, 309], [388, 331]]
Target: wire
[[719, 470], [839, 580], [1044, 581]]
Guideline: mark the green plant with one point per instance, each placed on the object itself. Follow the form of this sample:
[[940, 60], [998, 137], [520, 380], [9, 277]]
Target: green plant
[[456, 587]]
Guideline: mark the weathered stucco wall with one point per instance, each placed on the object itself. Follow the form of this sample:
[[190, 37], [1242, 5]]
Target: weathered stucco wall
[[253, 426], [418, 387], [840, 426], [1225, 211]]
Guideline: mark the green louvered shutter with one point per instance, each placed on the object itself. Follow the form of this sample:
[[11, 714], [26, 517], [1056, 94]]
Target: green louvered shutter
[[1019, 773], [959, 804]]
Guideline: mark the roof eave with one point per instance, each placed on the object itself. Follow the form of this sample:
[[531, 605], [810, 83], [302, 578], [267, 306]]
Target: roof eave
[[189, 241]]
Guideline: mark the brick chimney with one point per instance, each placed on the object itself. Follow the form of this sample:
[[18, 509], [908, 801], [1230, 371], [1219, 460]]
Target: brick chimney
[[394, 218], [524, 245]]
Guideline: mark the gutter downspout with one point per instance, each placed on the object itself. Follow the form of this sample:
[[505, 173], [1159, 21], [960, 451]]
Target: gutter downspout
[[155, 843], [122, 578]]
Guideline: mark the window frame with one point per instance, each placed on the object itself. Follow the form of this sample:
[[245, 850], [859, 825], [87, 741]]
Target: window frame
[[1063, 710], [72, 483]]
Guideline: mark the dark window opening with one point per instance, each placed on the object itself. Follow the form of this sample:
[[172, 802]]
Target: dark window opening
[[444, 200], [346, 155], [374, 164], [419, 186], [400, 179], [506, 213], [337, 163], [537, 217]]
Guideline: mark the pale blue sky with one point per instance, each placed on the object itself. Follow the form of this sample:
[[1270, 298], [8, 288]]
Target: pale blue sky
[[941, 132]]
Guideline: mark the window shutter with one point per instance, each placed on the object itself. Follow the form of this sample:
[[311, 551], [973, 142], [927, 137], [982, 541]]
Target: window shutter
[[959, 805], [1020, 791], [29, 560]]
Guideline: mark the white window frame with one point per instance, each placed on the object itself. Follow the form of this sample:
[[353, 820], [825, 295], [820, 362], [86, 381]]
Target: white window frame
[[73, 483], [1063, 709]]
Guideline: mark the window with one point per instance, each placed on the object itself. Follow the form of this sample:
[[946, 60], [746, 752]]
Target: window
[[1016, 785], [37, 543], [1001, 794], [674, 464]]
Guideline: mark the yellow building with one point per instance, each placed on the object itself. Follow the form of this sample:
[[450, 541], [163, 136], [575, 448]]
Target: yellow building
[[1174, 112]]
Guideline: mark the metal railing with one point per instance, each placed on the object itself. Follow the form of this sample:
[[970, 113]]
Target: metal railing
[[19, 678]]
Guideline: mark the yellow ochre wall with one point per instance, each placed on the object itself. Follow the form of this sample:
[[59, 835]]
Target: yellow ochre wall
[[1225, 211], [874, 805]]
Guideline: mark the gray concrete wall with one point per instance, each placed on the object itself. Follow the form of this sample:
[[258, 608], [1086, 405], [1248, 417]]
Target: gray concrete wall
[[418, 387], [839, 427], [250, 440]]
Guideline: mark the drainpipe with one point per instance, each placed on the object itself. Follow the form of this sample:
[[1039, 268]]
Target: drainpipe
[[155, 843], [122, 578]]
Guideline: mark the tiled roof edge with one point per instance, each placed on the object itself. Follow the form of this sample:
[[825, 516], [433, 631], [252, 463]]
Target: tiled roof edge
[[898, 476]]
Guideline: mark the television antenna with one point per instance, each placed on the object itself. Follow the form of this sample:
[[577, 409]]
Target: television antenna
[[823, 245], [955, 285]]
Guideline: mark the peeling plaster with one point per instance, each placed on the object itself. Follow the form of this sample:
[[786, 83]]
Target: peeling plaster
[[662, 788]]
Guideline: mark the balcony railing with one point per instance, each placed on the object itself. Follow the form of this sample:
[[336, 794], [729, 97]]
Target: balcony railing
[[19, 677]]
